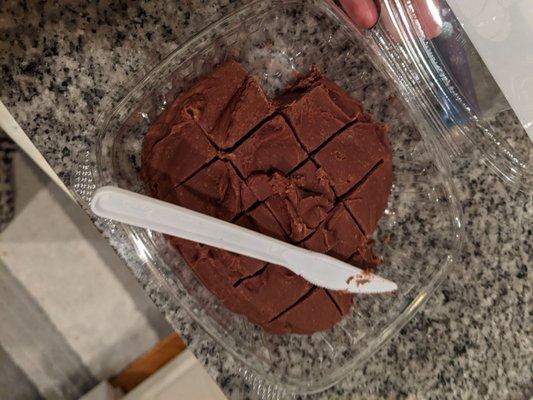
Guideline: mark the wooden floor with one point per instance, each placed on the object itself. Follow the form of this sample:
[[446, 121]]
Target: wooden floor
[[148, 363]]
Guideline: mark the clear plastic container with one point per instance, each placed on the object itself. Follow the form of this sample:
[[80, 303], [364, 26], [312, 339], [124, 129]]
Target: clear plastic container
[[423, 222]]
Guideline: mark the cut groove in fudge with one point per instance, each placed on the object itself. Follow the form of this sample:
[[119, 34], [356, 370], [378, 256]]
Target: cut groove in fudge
[[215, 190], [246, 109], [217, 273], [316, 312], [350, 155], [326, 142], [261, 220], [213, 274], [313, 180], [365, 258], [355, 187], [274, 291], [244, 278], [368, 202], [177, 157], [203, 103], [299, 202], [312, 126], [334, 302], [210, 96], [338, 236], [359, 227], [271, 148], [298, 301], [350, 106], [234, 267], [316, 108], [343, 300]]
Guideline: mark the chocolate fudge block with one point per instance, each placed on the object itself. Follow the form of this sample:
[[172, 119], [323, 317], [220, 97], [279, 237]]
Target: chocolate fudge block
[[245, 110], [272, 147], [343, 300], [352, 154], [205, 266], [234, 267], [365, 258], [215, 190], [161, 128], [312, 180], [275, 289], [211, 267], [299, 202], [176, 157], [317, 108], [261, 220], [325, 195], [315, 312], [264, 295], [203, 103], [209, 97], [368, 202], [337, 236], [313, 115], [226, 104]]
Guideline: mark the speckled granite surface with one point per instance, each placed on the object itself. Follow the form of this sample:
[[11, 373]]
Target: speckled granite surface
[[472, 340]]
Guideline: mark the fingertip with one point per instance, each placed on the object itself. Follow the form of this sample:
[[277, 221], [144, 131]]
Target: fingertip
[[432, 31], [362, 12], [428, 14], [368, 21]]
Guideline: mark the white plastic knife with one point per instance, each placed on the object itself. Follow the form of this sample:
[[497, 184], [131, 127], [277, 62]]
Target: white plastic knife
[[145, 212]]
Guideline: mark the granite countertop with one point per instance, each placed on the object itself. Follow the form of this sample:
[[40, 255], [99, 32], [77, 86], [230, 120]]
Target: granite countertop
[[58, 64]]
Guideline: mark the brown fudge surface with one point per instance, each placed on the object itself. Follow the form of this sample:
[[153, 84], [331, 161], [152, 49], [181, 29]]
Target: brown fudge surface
[[338, 236], [275, 290], [365, 258], [315, 312], [203, 103], [176, 157], [211, 267], [261, 220], [272, 147], [216, 190], [245, 110], [348, 157], [208, 97], [368, 202], [233, 266], [300, 202], [316, 171], [316, 108]]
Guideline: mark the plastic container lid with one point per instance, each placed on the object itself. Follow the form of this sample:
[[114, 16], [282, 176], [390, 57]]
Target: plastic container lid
[[448, 84], [501, 33]]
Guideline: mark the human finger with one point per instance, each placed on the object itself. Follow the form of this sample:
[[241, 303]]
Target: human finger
[[428, 14], [362, 12]]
